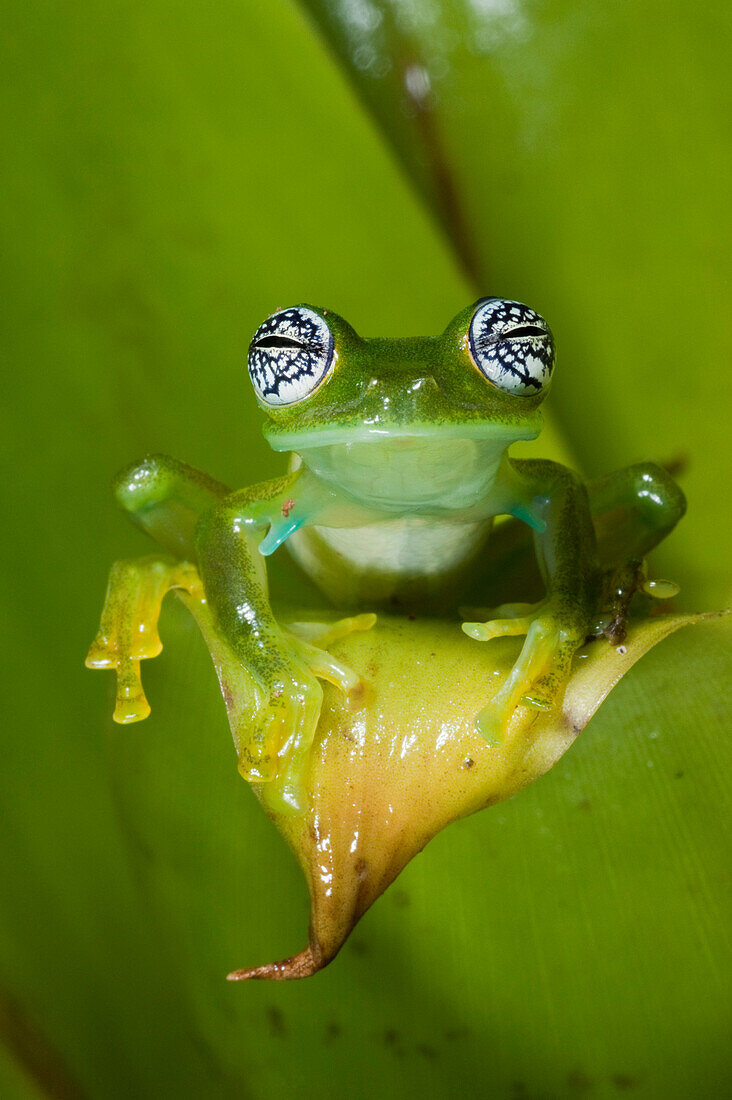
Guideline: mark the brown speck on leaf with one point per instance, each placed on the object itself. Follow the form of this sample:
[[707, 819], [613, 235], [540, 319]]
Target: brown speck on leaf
[[287, 507], [426, 1051], [678, 775], [276, 1021], [584, 804], [578, 1081], [623, 1081], [401, 898], [412, 617], [357, 696], [391, 1037], [333, 1031]]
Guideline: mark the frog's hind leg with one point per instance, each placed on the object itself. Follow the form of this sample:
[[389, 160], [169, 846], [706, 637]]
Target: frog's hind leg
[[128, 632], [166, 498], [632, 511]]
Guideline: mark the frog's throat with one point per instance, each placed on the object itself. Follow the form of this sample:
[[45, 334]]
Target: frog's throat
[[305, 440]]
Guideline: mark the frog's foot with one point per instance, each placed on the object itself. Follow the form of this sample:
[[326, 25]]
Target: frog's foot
[[485, 616], [128, 632], [620, 585], [285, 723], [311, 641], [283, 730], [537, 676]]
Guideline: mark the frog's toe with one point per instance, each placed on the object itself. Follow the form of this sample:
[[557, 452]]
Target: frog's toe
[[285, 797], [290, 720], [310, 641], [326, 667], [497, 628], [324, 634], [539, 655], [492, 723], [503, 611], [131, 703]]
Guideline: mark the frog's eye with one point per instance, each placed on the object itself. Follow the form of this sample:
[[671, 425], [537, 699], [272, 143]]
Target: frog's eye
[[512, 346], [290, 355]]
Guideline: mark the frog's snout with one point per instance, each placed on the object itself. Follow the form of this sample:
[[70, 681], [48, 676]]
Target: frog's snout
[[415, 391], [406, 399], [418, 383], [425, 384]]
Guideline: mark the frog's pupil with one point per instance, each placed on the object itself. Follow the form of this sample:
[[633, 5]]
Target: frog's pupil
[[279, 342], [523, 330]]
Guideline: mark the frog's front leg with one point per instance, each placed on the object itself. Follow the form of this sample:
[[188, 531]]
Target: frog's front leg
[[554, 502], [285, 665]]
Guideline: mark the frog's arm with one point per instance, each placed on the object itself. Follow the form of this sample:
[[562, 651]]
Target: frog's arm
[[553, 501], [224, 537], [231, 541]]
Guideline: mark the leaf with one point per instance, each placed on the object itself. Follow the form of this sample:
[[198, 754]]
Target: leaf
[[390, 774], [171, 174], [568, 929]]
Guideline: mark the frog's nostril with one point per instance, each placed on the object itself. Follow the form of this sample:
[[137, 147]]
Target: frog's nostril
[[427, 384]]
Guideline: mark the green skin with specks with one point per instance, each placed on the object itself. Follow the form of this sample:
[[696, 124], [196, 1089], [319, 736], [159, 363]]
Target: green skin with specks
[[402, 465]]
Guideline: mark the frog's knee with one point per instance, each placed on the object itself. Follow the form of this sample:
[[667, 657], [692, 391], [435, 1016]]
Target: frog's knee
[[143, 484], [661, 495]]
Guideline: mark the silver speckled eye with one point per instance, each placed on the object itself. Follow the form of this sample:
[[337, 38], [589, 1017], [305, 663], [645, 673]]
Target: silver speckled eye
[[289, 356], [512, 346]]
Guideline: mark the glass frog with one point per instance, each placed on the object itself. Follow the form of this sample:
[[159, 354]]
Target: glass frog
[[399, 467]]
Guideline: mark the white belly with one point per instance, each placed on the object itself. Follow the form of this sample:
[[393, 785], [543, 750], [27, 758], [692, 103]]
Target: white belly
[[410, 558]]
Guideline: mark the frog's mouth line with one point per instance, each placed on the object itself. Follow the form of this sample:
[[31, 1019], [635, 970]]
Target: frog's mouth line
[[382, 433]]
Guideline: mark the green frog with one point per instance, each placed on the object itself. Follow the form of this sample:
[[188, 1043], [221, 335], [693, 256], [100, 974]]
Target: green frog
[[399, 468]]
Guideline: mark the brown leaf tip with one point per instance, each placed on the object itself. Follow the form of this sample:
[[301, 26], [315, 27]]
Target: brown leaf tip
[[303, 965]]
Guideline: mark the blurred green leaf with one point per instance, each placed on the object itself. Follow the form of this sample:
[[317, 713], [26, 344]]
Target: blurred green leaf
[[172, 172], [577, 157]]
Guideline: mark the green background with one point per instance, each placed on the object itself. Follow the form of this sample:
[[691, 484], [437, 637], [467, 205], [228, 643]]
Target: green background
[[172, 173]]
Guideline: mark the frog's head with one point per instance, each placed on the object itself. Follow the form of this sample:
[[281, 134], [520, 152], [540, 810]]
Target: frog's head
[[325, 389]]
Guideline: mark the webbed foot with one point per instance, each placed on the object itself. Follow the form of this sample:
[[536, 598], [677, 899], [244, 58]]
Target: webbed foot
[[537, 677], [286, 720], [128, 631]]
